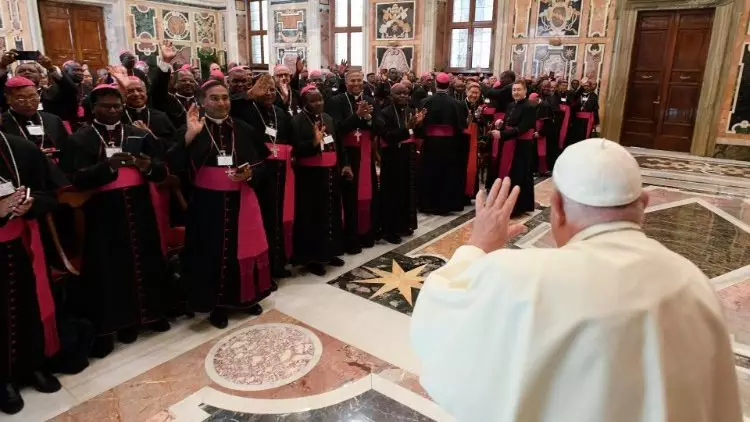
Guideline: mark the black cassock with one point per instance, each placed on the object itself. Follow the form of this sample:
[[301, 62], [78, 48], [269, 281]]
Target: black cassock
[[318, 233], [290, 103], [548, 116], [156, 120], [272, 193], [173, 105], [123, 275], [442, 162], [361, 218], [587, 104], [520, 118], [22, 330], [211, 268], [398, 170]]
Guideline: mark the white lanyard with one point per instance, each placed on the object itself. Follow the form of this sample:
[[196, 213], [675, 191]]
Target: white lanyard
[[148, 116], [111, 143], [348, 101], [177, 97], [213, 141], [398, 118], [23, 132], [13, 159], [275, 120]]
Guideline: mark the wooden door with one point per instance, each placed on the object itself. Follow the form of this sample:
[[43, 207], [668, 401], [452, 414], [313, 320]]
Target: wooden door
[[73, 32], [666, 74]]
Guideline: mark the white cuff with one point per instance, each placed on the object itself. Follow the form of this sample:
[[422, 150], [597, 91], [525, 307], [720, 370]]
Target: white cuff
[[164, 66], [468, 253]]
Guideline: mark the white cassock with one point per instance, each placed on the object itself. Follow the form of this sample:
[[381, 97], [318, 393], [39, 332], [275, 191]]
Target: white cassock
[[612, 327]]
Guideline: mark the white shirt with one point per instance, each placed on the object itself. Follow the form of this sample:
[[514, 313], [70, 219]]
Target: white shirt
[[612, 327]]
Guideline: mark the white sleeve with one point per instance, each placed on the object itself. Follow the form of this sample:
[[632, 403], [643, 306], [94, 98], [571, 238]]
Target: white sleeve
[[164, 66]]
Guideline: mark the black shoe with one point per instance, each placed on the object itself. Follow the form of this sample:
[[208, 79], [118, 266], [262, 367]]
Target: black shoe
[[44, 382], [255, 310], [103, 345], [281, 273], [407, 233], [160, 326], [367, 242], [316, 268], [354, 251], [127, 335], [393, 238], [274, 286], [10, 398], [67, 363], [189, 314], [218, 318], [336, 262]]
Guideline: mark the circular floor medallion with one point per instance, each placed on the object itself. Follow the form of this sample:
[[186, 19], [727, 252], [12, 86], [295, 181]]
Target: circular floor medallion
[[263, 356]]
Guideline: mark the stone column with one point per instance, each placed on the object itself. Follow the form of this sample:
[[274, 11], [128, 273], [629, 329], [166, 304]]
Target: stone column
[[230, 20], [427, 61]]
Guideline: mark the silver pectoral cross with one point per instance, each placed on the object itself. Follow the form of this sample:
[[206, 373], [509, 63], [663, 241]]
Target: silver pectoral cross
[[275, 151], [358, 135]]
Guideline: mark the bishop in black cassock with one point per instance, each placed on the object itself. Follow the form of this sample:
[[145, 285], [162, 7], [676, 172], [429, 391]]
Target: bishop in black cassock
[[440, 181], [584, 115], [225, 260], [123, 276], [318, 235], [398, 127], [28, 326], [172, 92], [353, 114], [138, 113]]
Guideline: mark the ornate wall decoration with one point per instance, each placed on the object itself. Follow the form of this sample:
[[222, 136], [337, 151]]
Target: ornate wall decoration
[[739, 114], [394, 21], [3, 44], [146, 48], [598, 17], [15, 15], [18, 41], [592, 61], [205, 27], [291, 25], [400, 58], [143, 19], [176, 25], [558, 18], [561, 60], [184, 54], [521, 18], [288, 55], [518, 58]]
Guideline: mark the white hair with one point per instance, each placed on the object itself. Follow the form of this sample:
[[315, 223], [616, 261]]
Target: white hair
[[585, 216]]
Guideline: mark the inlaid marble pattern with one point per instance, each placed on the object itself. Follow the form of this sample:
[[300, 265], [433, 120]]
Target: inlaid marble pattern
[[368, 406], [598, 17], [144, 21], [521, 18], [560, 60], [518, 58], [176, 25], [150, 394], [263, 356], [205, 28], [688, 165], [592, 61], [558, 18], [739, 115]]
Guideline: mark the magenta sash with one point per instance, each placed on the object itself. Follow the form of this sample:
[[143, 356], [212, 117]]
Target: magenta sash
[[541, 147], [499, 115], [471, 166], [564, 128], [324, 159], [28, 231], [252, 246], [284, 153], [68, 128], [509, 149], [128, 177], [364, 178], [439, 130], [589, 116], [488, 111]]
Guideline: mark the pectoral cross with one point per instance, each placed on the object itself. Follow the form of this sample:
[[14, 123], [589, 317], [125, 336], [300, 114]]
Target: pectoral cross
[[275, 151], [357, 134]]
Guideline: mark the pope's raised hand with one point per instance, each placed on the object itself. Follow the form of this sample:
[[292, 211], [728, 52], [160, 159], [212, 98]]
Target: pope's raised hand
[[492, 225]]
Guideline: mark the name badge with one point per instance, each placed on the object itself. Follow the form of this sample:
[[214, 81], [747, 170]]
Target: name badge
[[110, 151], [486, 100], [565, 100], [328, 139], [334, 89], [270, 131], [35, 130], [40, 107], [224, 160], [429, 93], [411, 132], [6, 189]]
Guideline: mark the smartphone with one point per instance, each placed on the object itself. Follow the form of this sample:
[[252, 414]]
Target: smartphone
[[28, 55]]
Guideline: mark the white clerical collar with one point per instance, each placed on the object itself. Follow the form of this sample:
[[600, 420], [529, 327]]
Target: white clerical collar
[[217, 121], [356, 97], [140, 109], [183, 97], [109, 127], [603, 228]]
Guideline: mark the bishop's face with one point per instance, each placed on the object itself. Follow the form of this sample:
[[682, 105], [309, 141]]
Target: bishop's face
[[314, 102], [185, 83], [216, 102], [136, 96], [30, 72], [108, 109], [354, 83], [239, 81], [284, 78], [24, 100], [472, 95], [519, 92]]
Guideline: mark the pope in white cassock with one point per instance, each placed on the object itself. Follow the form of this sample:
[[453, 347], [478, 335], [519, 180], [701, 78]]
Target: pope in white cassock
[[609, 327]]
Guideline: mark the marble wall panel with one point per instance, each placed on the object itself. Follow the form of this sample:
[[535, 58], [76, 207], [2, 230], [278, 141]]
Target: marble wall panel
[[394, 33], [558, 18], [400, 58], [593, 60], [394, 21], [739, 114], [518, 58], [560, 60], [14, 24], [521, 18], [206, 28], [598, 17], [290, 25]]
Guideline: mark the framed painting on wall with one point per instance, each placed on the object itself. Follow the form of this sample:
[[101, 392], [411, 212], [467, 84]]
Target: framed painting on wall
[[401, 58], [394, 21]]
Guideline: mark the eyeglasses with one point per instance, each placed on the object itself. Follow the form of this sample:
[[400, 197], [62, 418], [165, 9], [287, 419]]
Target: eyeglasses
[[26, 100]]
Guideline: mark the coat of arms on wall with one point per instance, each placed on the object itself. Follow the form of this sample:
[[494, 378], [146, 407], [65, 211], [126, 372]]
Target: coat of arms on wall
[[558, 18], [400, 58], [291, 26], [394, 21]]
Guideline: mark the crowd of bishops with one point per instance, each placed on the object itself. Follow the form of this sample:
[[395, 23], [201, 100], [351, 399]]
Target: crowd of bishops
[[136, 195]]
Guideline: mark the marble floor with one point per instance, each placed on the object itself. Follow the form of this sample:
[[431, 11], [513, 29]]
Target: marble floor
[[336, 348]]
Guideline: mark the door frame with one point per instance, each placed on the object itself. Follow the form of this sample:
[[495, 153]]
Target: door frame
[[715, 78]]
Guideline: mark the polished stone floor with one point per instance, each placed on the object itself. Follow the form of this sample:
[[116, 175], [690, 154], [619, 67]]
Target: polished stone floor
[[336, 348]]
